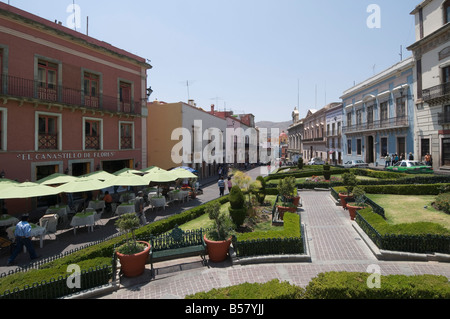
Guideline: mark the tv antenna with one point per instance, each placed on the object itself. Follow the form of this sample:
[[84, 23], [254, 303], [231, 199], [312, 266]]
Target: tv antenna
[[401, 53], [188, 84], [217, 99]]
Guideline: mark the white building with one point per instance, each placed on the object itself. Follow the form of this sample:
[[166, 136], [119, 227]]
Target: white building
[[432, 81]]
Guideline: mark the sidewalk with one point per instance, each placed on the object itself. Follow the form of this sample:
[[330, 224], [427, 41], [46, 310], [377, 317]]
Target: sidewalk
[[333, 244]]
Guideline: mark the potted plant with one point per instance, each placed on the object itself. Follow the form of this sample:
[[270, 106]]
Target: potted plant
[[133, 254], [349, 180], [359, 203], [286, 188], [218, 239]]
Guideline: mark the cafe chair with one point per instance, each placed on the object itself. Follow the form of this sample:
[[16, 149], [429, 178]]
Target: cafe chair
[[50, 223]]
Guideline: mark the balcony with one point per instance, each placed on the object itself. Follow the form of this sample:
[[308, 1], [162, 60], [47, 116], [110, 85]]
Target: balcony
[[317, 139], [395, 122], [437, 94], [46, 93]]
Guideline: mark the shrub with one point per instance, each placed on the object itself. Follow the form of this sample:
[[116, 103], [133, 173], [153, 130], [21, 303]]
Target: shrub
[[349, 181], [237, 199], [238, 215], [261, 194], [273, 289], [353, 285], [222, 224], [300, 163], [326, 172], [442, 203]]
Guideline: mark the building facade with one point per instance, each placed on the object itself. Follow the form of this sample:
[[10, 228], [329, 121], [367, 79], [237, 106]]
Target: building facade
[[295, 133], [69, 103], [314, 136], [334, 134], [431, 53], [378, 116], [179, 135]]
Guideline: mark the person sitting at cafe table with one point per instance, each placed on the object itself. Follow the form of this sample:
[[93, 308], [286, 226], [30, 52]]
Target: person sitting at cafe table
[[23, 238], [108, 201]]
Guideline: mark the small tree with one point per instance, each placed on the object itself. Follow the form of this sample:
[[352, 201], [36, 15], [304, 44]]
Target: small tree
[[237, 209], [326, 171], [261, 194], [128, 223], [300, 163], [349, 180], [222, 224], [286, 188], [358, 193]]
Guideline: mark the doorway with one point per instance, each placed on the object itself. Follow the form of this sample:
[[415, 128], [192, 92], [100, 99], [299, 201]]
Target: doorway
[[369, 150]]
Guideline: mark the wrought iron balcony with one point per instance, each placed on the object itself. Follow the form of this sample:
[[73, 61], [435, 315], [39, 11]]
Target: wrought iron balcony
[[395, 122], [317, 139], [436, 94], [29, 89]]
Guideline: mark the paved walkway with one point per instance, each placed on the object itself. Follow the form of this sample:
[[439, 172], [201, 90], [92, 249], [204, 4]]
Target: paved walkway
[[333, 243]]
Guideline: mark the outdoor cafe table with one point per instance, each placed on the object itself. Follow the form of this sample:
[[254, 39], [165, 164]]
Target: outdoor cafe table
[[61, 211], [97, 204], [124, 197], [7, 220], [83, 219], [125, 208], [36, 231]]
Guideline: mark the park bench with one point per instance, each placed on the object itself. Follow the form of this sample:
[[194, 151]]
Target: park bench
[[177, 244]]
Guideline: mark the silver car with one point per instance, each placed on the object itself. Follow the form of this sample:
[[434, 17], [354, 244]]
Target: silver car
[[316, 161], [355, 163]]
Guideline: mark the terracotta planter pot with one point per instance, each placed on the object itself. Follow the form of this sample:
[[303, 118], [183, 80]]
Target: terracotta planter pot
[[134, 265], [296, 200], [342, 198], [217, 250], [352, 210]]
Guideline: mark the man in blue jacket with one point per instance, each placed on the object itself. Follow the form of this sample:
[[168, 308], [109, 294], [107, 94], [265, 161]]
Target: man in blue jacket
[[23, 237]]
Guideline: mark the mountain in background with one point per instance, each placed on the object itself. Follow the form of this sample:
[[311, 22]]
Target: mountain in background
[[282, 126]]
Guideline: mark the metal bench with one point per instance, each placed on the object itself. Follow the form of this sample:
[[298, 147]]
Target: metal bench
[[177, 244]]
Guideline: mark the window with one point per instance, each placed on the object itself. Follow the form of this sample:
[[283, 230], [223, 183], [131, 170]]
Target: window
[[384, 146], [349, 119], [358, 147], [370, 116], [400, 110], [446, 74], [419, 78], [47, 132], [401, 146], [47, 80], [2, 131], [384, 113], [125, 97], [446, 151], [91, 88], [446, 7], [349, 147], [359, 117], [92, 134], [126, 135]]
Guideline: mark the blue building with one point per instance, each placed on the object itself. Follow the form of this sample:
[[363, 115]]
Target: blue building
[[378, 116]]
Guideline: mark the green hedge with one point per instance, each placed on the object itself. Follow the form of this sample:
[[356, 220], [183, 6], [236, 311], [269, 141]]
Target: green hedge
[[338, 285], [421, 237], [403, 189], [288, 241], [353, 285], [273, 289]]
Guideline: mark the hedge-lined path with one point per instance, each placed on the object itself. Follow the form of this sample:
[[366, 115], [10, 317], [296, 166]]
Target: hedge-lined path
[[333, 243]]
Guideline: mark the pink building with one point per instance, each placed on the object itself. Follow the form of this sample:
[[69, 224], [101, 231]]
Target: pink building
[[68, 103]]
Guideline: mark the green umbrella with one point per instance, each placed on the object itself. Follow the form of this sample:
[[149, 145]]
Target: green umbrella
[[27, 190], [55, 179], [101, 175], [159, 175], [4, 182], [83, 184], [128, 179], [182, 173], [128, 170]]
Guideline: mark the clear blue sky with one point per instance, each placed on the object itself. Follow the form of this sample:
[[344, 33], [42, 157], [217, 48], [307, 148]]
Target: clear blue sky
[[248, 55]]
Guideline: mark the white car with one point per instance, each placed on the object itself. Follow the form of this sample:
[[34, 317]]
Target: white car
[[316, 161], [355, 163]]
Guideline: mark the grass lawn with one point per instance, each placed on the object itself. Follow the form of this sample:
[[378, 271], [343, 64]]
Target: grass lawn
[[409, 209]]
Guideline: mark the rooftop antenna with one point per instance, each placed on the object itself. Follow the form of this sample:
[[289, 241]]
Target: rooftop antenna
[[401, 53], [188, 83], [373, 69], [87, 25]]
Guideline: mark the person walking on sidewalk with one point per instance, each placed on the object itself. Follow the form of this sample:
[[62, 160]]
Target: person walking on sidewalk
[[23, 238], [229, 184], [221, 185]]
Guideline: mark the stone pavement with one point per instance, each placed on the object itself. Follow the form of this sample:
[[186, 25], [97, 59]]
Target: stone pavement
[[333, 245]]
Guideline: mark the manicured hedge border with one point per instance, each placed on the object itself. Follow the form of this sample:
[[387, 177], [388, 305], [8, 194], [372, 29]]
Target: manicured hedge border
[[338, 285]]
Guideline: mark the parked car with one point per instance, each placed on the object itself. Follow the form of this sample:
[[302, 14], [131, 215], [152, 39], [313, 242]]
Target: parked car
[[316, 161], [355, 163], [412, 167]]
